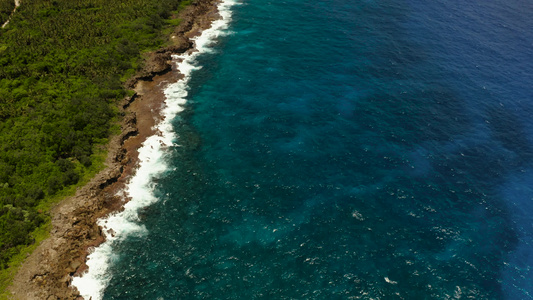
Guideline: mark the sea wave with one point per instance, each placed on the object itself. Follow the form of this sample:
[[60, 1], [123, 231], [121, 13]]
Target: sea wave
[[152, 163]]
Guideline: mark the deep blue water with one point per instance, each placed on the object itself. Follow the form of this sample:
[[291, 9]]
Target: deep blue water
[[340, 149]]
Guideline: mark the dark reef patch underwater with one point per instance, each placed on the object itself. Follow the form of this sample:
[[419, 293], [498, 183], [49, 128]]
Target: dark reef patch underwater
[[343, 149]]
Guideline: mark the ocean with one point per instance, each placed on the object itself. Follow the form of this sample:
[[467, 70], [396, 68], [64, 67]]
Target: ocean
[[337, 149]]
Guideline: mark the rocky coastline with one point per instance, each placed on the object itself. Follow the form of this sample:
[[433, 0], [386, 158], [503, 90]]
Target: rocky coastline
[[48, 271]]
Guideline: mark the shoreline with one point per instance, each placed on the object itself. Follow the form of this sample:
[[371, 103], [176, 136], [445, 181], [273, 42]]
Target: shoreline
[[47, 273]]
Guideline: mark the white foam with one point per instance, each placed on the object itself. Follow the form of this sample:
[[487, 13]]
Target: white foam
[[152, 163]]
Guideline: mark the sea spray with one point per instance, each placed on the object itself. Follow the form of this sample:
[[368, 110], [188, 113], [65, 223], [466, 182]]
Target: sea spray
[[152, 163]]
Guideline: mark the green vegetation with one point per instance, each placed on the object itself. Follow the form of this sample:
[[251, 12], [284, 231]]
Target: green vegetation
[[62, 68], [41, 233], [6, 7]]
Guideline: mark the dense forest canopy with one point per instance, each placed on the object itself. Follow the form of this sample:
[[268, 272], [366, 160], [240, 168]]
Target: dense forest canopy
[[62, 68], [6, 7]]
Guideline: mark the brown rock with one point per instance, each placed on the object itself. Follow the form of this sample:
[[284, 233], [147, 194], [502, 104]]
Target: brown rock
[[180, 45], [65, 279], [74, 265], [158, 63]]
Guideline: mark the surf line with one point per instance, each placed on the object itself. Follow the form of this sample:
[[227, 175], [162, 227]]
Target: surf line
[[140, 188]]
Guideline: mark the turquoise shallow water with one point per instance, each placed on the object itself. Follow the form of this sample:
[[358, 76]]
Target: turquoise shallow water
[[348, 150]]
